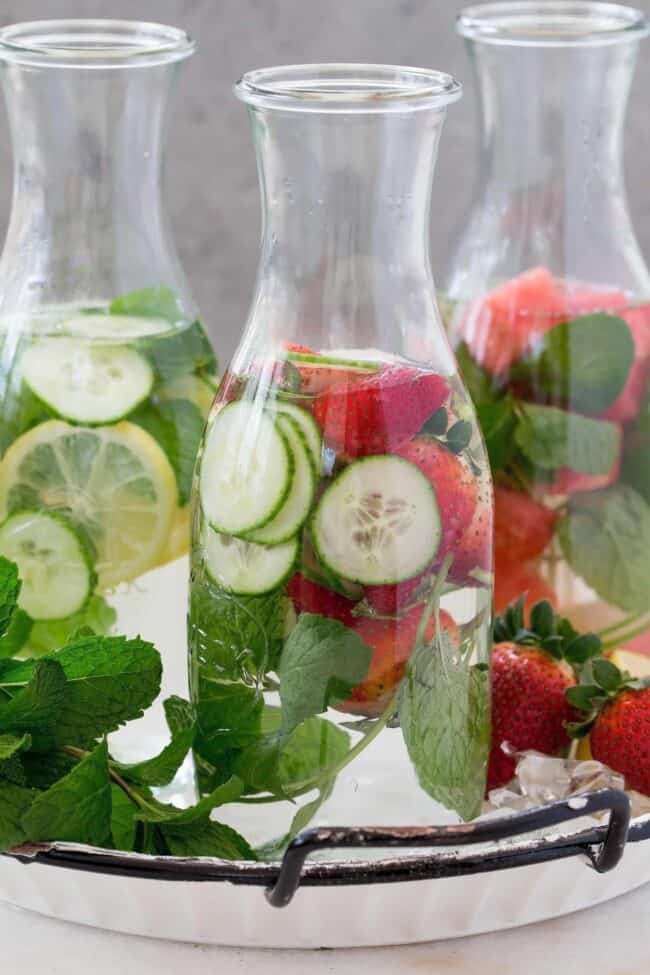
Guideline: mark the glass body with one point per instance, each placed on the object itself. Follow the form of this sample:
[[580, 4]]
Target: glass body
[[340, 580], [547, 301], [106, 374]]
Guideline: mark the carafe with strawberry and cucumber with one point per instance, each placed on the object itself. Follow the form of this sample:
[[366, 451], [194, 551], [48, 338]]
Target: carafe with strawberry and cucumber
[[106, 372], [340, 595], [547, 303]]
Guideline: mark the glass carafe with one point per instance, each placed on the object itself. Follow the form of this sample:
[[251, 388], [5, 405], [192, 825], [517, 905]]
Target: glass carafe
[[341, 558], [548, 307], [106, 374]]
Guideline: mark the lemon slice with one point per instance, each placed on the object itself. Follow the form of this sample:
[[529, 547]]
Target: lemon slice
[[178, 540], [636, 664], [114, 483]]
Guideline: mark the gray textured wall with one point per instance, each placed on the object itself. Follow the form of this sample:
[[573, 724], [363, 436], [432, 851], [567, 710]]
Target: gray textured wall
[[211, 173]]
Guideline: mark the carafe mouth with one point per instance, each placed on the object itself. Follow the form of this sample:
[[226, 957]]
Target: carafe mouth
[[552, 23], [349, 88], [83, 43]]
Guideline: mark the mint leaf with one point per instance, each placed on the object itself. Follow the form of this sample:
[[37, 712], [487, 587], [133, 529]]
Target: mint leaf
[[161, 769], [177, 425], [239, 635], [444, 714], [123, 822], [14, 804], [228, 719], [109, 680], [206, 838], [43, 769], [77, 808], [179, 352], [552, 438], [179, 714], [11, 744], [480, 385], [582, 364], [37, 708], [278, 765], [321, 662], [9, 591], [17, 634], [605, 538], [498, 422], [97, 615], [157, 302], [160, 812]]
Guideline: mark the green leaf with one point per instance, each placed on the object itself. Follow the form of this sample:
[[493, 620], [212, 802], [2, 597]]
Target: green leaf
[[228, 719], [177, 425], [11, 744], [37, 708], [96, 614], [542, 618], [444, 714], [498, 422], [180, 352], [43, 769], [583, 648], [109, 680], [239, 635], [436, 425], [582, 364], [582, 696], [607, 674], [9, 591], [157, 302], [479, 383], [459, 436], [161, 769], [160, 812], [179, 714], [123, 822], [77, 808], [17, 634], [321, 662], [14, 804], [206, 839], [605, 538], [552, 438]]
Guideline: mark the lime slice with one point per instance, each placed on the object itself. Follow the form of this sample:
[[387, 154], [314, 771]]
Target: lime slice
[[86, 382], [53, 563], [115, 483]]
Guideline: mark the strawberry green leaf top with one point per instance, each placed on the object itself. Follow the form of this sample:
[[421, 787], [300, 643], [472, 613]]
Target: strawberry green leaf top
[[546, 631]]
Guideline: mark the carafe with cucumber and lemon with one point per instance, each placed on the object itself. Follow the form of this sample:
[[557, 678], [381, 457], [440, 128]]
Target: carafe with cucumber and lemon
[[102, 413]]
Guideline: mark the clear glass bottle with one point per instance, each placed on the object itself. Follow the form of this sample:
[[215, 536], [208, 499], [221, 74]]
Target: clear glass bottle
[[548, 307], [340, 582], [106, 374]]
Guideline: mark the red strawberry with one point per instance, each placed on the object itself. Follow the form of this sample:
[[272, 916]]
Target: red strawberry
[[377, 414], [511, 579], [529, 680], [392, 642], [296, 347], [473, 553], [309, 597], [455, 486], [392, 600], [617, 719], [522, 527]]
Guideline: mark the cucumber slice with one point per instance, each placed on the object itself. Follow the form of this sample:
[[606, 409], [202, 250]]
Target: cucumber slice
[[53, 562], [378, 522], [246, 471], [114, 328], [309, 427], [85, 382], [293, 513], [245, 568], [340, 360]]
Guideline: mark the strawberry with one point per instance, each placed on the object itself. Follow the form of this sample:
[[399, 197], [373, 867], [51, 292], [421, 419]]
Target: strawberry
[[455, 486], [511, 579], [377, 414], [392, 642], [473, 553], [296, 347], [522, 527], [532, 667], [615, 713], [391, 600], [309, 597]]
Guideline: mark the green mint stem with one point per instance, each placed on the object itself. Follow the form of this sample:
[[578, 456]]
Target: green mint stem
[[130, 791], [433, 602]]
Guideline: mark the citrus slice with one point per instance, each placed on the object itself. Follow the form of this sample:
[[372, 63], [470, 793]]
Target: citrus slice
[[636, 664], [114, 483]]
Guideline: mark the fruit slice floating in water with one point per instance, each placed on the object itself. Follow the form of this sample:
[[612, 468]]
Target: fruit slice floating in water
[[245, 568], [247, 469], [378, 522], [53, 563], [380, 413], [115, 483], [319, 372], [87, 383]]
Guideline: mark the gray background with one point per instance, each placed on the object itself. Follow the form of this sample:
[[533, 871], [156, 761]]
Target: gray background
[[211, 180]]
